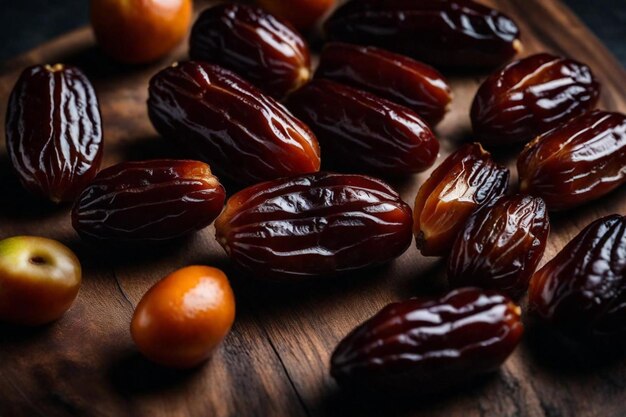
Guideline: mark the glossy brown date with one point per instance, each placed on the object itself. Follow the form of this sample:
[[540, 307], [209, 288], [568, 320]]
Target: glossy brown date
[[54, 131], [579, 162], [531, 96], [394, 77], [463, 182], [451, 33], [244, 134], [261, 48], [501, 245], [314, 225], [426, 345], [582, 291], [364, 133], [148, 201]]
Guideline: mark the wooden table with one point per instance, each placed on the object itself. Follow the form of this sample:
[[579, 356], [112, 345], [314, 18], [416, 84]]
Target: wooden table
[[275, 361]]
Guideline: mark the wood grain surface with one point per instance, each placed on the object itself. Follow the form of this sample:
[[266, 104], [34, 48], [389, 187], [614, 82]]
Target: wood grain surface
[[275, 361]]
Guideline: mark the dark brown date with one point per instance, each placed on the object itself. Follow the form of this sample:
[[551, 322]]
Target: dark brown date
[[314, 225], [531, 96], [54, 131], [501, 245], [579, 162], [148, 201], [394, 77], [463, 182], [451, 33], [582, 291], [426, 345], [363, 132], [263, 49], [244, 134]]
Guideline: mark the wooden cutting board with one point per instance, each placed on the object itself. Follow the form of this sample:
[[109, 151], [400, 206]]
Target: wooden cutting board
[[275, 360]]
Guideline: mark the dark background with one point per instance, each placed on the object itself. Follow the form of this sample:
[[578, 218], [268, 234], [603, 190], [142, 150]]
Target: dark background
[[27, 23]]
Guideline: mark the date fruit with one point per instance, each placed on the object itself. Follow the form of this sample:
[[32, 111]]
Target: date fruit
[[450, 33], [54, 131], [244, 134], [303, 14], [579, 162], [363, 132], [148, 201], [463, 182], [394, 77], [531, 96], [261, 48], [582, 291], [314, 225], [501, 245], [427, 345]]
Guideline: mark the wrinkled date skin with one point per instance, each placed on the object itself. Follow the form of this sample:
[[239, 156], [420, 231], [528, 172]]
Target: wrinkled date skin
[[449, 33], [244, 134], [54, 131], [263, 49], [363, 132], [463, 182], [582, 291], [579, 162], [314, 225], [426, 345], [148, 201], [394, 77], [531, 96], [501, 245]]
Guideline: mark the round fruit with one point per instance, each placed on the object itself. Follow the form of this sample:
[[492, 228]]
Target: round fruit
[[39, 280], [181, 319], [140, 31], [303, 14]]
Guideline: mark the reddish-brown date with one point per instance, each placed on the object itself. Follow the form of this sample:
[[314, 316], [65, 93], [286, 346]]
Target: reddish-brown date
[[244, 134], [452, 33], [426, 345], [464, 181], [314, 225], [501, 245], [531, 96], [582, 291], [362, 132], [148, 201], [262, 48], [54, 131], [394, 77], [579, 162]]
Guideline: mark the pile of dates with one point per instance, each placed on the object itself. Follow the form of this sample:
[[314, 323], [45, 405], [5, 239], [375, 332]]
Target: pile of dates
[[251, 109]]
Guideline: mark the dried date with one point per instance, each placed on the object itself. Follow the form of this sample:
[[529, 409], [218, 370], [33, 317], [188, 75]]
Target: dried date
[[531, 96], [314, 225], [394, 77], [501, 245], [427, 345], [148, 201], [579, 162], [582, 291], [54, 131], [363, 132], [261, 48], [463, 182], [453, 33], [244, 134]]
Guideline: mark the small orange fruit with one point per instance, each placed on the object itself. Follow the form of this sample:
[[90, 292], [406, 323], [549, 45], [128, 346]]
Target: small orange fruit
[[39, 280], [140, 31], [182, 318]]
